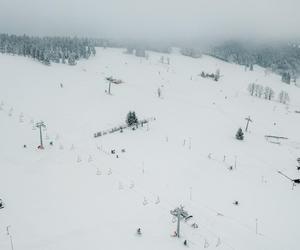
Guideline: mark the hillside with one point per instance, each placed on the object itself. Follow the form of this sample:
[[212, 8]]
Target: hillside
[[76, 195]]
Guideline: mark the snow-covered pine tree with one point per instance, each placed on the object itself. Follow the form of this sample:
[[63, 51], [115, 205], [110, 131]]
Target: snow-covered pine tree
[[88, 52], [239, 134], [140, 52], [71, 59], [93, 50], [131, 118], [286, 77], [129, 50], [47, 49], [46, 60]]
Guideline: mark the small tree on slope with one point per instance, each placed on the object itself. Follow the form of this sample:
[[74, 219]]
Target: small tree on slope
[[251, 88], [239, 134], [283, 97], [131, 118]]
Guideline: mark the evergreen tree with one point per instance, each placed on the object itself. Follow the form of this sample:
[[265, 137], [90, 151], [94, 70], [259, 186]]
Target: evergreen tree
[[286, 77], [191, 52], [129, 50], [71, 59], [131, 118], [239, 134], [93, 50], [140, 52], [46, 60], [88, 52]]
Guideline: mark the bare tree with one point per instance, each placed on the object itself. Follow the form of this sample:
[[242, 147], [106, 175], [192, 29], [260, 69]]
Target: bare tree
[[258, 89], [283, 97], [217, 75], [251, 88], [269, 93]]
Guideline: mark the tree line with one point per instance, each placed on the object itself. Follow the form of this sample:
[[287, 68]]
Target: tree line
[[283, 59], [267, 93], [46, 50]]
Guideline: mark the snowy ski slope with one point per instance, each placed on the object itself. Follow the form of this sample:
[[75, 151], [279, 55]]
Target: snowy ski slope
[[76, 195]]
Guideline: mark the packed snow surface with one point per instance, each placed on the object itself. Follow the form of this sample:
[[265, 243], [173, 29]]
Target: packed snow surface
[[77, 195]]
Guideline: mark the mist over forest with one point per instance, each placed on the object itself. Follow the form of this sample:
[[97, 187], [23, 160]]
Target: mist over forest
[[262, 32]]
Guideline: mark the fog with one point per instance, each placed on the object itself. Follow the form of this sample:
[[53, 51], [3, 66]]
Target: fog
[[157, 20]]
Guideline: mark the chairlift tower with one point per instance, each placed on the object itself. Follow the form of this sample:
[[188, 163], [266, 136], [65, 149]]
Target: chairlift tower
[[10, 237], [180, 214], [110, 80], [248, 119], [40, 125]]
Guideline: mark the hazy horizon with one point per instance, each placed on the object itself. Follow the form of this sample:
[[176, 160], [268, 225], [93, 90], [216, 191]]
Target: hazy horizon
[[160, 21]]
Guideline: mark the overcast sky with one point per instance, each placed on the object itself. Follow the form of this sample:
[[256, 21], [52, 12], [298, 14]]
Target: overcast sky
[[153, 19]]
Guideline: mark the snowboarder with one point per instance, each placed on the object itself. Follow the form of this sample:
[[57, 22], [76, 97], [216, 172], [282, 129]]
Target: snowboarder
[[139, 231]]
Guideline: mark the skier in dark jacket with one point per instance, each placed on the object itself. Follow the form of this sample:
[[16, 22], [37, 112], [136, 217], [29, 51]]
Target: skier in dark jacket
[[1, 204]]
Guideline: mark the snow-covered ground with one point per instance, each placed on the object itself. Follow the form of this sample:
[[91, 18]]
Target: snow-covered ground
[[76, 195]]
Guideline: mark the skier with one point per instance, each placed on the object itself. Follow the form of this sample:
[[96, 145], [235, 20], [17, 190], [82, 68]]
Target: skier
[[194, 225], [185, 243], [158, 92], [139, 231]]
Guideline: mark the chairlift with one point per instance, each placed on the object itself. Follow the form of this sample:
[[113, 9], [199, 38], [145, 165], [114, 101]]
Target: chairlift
[[297, 181]]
